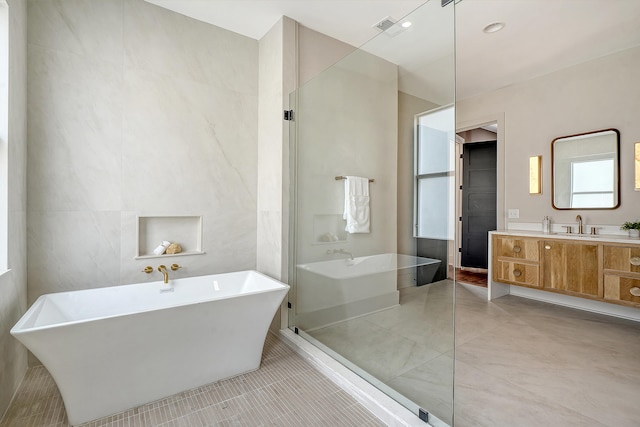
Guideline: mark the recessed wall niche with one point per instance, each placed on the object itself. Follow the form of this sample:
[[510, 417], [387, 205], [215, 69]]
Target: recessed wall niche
[[329, 229], [183, 230]]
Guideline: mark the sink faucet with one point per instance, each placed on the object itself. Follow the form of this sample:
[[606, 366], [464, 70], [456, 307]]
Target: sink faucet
[[340, 251], [579, 219], [162, 269]]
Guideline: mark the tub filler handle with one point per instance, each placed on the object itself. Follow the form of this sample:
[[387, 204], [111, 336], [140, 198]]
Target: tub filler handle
[[175, 267], [148, 269]]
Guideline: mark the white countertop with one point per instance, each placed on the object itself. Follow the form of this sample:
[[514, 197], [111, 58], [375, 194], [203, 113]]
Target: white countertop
[[609, 238]]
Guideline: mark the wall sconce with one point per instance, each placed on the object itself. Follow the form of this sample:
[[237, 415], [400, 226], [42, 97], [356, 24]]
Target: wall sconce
[[535, 173], [637, 163]]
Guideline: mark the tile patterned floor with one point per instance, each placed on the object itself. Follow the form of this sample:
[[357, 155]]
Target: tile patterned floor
[[285, 391]]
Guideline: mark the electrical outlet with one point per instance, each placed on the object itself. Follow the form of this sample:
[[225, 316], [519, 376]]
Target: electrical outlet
[[514, 213]]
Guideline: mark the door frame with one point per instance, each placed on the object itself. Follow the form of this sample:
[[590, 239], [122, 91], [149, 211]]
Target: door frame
[[501, 212]]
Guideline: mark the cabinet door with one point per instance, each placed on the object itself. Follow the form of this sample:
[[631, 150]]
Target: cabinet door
[[571, 267], [622, 258], [517, 247]]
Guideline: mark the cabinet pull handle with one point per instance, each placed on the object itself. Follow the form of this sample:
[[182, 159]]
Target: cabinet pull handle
[[518, 273], [635, 291], [517, 249], [635, 260], [547, 246]]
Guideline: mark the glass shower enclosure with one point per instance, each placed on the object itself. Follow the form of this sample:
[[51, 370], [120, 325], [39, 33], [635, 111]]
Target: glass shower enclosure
[[380, 299]]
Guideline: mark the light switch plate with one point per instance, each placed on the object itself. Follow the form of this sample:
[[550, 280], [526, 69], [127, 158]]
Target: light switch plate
[[514, 213]]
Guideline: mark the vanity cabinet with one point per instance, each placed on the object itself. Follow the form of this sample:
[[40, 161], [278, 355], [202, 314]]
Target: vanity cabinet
[[591, 268], [622, 274], [571, 267], [516, 261], [624, 259]]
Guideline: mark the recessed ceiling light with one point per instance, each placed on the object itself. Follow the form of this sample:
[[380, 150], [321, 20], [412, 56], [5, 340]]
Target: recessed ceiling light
[[494, 27], [406, 24]]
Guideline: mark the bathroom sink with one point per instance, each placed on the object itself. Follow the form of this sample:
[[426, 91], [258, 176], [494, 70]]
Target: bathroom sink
[[583, 235]]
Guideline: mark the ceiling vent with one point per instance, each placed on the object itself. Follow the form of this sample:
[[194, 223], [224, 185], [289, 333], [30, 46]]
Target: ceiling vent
[[385, 24]]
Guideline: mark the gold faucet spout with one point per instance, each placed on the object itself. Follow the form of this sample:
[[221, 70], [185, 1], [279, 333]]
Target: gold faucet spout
[[163, 269]]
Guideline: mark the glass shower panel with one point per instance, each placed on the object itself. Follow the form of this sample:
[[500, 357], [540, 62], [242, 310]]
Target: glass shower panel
[[375, 300]]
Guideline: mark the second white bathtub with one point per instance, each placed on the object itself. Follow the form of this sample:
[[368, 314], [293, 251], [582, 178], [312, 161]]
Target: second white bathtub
[[332, 291]]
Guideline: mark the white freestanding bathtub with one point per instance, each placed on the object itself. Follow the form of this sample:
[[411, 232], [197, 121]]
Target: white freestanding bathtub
[[332, 291], [111, 349]]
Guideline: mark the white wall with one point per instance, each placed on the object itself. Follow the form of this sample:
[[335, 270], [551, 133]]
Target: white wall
[[270, 156], [317, 52], [136, 110], [277, 79], [13, 284], [599, 94]]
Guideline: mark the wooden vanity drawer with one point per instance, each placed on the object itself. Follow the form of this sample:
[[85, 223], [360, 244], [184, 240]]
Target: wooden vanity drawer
[[517, 247], [622, 258], [618, 289], [517, 273]]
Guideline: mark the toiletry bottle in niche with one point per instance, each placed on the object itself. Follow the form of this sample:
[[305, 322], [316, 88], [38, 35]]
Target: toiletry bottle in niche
[[162, 247]]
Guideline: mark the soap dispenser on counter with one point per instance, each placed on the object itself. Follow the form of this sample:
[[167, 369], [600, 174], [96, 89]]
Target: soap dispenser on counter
[[546, 225]]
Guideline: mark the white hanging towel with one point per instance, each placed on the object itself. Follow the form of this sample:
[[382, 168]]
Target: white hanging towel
[[356, 204]]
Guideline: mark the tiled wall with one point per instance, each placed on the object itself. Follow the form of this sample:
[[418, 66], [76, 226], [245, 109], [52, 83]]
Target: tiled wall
[[136, 110], [13, 284]]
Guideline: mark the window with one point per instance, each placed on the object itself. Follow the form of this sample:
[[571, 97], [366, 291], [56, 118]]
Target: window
[[592, 183], [434, 174]]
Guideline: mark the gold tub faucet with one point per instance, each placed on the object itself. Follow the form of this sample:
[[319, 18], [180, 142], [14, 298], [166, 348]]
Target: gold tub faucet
[[163, 269]]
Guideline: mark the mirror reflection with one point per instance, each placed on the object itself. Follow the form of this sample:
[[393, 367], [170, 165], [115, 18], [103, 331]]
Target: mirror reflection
[[586, 170]]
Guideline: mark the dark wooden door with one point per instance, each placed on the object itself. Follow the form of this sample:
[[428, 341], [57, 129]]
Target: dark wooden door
[[479, 187]]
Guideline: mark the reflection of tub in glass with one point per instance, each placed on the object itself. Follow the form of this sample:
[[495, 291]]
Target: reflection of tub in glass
[[333, 291]]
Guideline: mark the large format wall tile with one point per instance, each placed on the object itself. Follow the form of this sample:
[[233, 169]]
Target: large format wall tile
[[226, 248], [13, 356], [183, 148], [75, 132], [165, 42], [269, 242], [136, 110], [349, 127], [72, 250], [90, 28]]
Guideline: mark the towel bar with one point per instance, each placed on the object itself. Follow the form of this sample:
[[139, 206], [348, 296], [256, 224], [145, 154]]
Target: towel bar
[[338, 178]]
